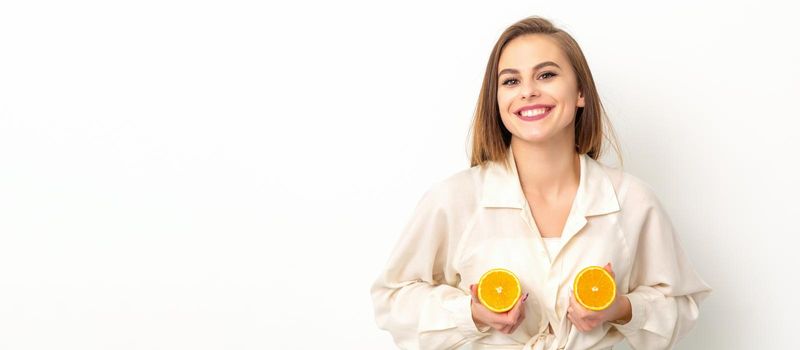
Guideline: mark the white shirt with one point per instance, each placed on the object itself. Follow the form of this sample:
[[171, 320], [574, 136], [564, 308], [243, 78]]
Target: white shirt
[[479, 219], [553, 245]]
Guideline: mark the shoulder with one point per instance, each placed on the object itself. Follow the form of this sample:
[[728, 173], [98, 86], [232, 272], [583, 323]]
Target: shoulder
[[456, 190], [631, 190], [641, 209]]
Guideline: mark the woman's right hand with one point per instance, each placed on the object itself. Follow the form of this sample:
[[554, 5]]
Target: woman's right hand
[[505, 322]]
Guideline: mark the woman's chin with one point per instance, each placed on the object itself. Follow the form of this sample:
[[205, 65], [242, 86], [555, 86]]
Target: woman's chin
[[533, 138]]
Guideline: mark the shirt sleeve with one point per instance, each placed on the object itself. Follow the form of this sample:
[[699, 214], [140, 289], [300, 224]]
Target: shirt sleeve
[[413, 299], [665, 290]]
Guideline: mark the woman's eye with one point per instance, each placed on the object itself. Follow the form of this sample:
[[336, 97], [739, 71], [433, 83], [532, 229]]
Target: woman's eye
[[507, 80], [546, 73]]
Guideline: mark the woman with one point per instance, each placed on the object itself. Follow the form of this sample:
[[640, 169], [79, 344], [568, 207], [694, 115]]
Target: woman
[[537, 202]]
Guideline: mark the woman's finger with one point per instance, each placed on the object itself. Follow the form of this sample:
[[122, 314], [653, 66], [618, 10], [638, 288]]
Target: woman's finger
[[572, 319], [578, 322], [608, 268], [513, 315], [577, 308], [520, 318], [573, 304], [497, 321]]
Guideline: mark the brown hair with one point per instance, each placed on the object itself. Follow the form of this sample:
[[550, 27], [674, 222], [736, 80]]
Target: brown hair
[[490, 138]]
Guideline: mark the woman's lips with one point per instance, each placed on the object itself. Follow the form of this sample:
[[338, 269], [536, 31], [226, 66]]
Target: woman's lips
[[535, 117]]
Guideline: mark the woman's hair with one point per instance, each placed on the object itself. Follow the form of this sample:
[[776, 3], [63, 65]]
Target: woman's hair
[[490, 138]]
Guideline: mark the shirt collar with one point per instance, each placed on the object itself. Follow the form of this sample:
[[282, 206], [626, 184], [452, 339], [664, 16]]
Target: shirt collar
[[595, 196]]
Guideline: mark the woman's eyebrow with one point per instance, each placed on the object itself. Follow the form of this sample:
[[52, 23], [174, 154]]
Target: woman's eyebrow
[[536, 67]]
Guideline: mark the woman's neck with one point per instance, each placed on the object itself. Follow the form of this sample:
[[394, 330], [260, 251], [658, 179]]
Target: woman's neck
[[547, 171]]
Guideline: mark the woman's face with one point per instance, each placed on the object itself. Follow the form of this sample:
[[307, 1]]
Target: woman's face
[[537, 91]]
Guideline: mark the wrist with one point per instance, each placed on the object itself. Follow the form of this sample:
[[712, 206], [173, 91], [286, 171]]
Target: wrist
[[622, 314]]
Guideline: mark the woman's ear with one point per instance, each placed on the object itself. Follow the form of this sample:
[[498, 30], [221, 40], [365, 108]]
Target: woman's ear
[[581, 102]]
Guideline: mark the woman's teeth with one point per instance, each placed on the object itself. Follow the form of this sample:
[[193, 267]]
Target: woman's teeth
[[533, 112]]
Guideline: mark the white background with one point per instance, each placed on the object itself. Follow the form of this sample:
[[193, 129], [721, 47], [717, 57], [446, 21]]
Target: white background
[[234, 175]]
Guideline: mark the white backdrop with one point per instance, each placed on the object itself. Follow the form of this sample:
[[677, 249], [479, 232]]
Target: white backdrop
[[234, 174]]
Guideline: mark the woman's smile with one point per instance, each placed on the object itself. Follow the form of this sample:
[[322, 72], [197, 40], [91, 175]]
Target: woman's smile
[[534, 112]]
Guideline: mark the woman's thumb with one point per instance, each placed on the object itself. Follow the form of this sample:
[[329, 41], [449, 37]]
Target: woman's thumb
[[474, 291]]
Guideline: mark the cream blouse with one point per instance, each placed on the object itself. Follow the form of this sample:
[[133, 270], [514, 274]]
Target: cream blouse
[[552, 245], [479, 219]]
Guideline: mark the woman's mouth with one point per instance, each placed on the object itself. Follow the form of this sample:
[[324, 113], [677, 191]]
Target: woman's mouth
[[530, 115]]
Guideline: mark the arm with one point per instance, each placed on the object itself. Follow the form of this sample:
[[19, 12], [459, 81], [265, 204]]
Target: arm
[[665, 291], [413, 298]]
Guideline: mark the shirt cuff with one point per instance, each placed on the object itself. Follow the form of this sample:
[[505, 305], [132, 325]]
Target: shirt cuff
[[638, 314], [462, 316]]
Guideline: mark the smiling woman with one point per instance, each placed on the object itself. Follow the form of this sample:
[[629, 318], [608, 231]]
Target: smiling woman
[[534, 60], [536, 202]]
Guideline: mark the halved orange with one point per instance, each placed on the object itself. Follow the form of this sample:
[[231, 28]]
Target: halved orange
[[499, 289], [594, 288]]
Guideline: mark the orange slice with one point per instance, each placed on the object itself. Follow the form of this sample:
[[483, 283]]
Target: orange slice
[[499, 290], [594, 288]]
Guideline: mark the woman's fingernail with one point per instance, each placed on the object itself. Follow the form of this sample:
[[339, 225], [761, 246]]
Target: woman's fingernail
[[526, 297]]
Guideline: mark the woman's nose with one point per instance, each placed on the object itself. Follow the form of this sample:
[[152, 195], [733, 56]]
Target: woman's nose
[[529, 90]]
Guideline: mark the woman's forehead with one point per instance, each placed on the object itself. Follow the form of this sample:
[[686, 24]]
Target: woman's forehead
[[527, 51]]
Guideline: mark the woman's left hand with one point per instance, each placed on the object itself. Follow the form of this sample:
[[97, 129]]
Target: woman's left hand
[[586, 320]]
